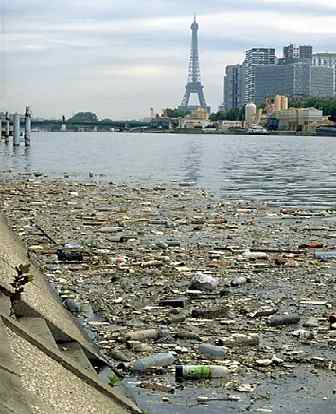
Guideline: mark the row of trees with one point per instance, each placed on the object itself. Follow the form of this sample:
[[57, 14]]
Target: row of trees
[[230, 115], [175, 113], [327, 105], [84, 117], [235, 114], [87, 117]]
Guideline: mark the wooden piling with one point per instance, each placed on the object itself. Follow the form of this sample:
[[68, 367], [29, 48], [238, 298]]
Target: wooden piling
[[27, 127], [17, 130]]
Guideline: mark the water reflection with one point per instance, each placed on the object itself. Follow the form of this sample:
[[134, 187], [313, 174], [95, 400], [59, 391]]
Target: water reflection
[[192, 163], [26, 156]]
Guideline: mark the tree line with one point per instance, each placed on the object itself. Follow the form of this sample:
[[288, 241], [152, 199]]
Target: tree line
[[327, 105]]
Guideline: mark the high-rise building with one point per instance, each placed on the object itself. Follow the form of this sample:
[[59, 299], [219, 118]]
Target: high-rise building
[[293, 80], [322, 81], [273, 80], [294, 53], [326, 60], [254, 57], [298, 73], [234, 86]]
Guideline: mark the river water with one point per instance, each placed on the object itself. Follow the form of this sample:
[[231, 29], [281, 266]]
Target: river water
[[286, 170]]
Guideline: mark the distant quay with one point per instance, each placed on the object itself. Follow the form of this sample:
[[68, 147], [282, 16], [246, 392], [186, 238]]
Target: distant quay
[[200, 131]]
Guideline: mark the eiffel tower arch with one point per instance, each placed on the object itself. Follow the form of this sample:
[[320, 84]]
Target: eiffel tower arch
[[194, 84]]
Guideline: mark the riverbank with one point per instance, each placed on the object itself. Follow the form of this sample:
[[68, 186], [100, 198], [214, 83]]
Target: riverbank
[[140, 250], [210, 131]]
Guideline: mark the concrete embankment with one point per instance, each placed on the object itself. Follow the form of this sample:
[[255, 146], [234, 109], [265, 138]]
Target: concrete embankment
[[47, 365]]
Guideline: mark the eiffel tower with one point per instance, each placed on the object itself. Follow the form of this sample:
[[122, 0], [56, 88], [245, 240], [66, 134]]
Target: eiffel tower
[[194, 84]]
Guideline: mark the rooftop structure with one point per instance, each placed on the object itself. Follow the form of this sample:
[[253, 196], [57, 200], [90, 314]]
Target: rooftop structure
[[324, 59], [294, 53]]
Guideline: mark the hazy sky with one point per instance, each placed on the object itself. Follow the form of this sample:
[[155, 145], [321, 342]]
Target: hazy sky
[[119, 58]]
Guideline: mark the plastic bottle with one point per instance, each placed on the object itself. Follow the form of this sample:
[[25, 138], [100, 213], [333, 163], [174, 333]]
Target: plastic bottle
[[200, 371], [264, 311], [147, 334], [240, 340], [72, 305], [155, 360], [209, 313], [212, 351], [324, 256], [72, 246], [283, 320], [87, 311], [238, 281], [255, 255]]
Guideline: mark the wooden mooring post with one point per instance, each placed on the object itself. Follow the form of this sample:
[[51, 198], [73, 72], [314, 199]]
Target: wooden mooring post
[[27, 127], [10, 125], [16, 130]]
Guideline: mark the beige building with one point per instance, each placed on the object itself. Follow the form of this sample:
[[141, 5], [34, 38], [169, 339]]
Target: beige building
[[299, 119], [280, 103], [199, 118]]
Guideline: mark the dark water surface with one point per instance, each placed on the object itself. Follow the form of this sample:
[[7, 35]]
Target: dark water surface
[[285, 170]]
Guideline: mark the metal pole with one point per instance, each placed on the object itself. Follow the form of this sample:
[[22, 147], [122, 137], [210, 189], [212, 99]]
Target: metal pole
[[16, 132], [27, 127]]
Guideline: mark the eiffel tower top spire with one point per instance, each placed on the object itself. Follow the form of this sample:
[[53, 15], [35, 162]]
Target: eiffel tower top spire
[[194, 84], [194, 23], [194, 68]]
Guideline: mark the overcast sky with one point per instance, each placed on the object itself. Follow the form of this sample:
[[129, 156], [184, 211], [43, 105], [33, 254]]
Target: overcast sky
[[120, 57]]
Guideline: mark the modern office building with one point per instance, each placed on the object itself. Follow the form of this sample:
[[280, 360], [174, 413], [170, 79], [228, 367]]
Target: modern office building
[[271, 80], [293, 80], [322, 81], [254, 57], [234, 86]]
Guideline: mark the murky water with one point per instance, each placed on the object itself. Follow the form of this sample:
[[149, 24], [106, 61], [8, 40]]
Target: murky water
[[284, 170]]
